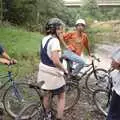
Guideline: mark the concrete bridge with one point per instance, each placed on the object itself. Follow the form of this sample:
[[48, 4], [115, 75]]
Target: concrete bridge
[[78, 3]]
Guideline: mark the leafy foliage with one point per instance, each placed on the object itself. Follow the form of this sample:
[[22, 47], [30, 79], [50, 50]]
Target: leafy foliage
[[34, 13]]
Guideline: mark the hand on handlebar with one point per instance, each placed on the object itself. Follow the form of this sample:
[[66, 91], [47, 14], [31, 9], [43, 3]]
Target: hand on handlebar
[[95, 58], [65, 72], [13, 61], [10, 62], [5, 61]]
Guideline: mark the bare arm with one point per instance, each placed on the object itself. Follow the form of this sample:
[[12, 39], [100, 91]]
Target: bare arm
[[86, 44], [56, 61], [6, 56], [4, 61], [61, 37], [63, 43]]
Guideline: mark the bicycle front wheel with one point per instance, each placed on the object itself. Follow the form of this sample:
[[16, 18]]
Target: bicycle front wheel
[[35, 111], [98, 81], [17, 96], [102, 100], [32, 111]]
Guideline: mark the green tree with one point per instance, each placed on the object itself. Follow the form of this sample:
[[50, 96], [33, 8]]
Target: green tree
[[1, 11]]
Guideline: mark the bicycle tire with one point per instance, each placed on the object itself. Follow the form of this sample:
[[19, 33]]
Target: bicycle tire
[[36, 112], [93, 84], [101, 101], [13, 104], [72, 93], [33, 110]]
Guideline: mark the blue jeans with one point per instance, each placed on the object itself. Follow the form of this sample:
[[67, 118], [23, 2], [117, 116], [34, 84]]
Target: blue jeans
[[74, 58], [114, 111]]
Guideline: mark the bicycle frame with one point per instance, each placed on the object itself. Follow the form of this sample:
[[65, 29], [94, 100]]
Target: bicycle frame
[[90, 67], [10, 80], [9, 76]]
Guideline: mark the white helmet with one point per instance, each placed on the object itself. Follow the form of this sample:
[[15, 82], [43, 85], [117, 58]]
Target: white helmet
[[80, 21]]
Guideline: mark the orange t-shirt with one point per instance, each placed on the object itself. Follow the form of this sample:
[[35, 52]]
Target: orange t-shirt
[[75, 43]]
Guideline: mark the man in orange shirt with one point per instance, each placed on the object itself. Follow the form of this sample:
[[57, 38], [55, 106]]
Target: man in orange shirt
[[76, 42]]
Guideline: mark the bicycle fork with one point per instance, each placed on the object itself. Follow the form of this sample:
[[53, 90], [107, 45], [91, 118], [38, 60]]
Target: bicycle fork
[[17, 92]]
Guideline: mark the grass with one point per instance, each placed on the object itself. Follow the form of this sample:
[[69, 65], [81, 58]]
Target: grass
[[21, 45], [18, 41]]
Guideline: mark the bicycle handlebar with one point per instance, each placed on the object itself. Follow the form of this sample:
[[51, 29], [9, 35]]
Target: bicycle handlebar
[[9, 69], [110, 70], [97, 59]]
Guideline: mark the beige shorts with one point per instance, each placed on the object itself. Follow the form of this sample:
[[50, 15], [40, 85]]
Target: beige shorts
[[52, 77]]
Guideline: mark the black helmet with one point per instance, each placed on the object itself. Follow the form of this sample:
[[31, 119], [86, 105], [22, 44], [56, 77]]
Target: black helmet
[[53, 24]]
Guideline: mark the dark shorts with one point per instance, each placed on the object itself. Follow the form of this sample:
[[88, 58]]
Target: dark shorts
[[114, 111], [57, 91]]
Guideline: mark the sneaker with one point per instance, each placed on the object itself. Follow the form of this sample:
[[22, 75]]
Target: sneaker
[[75, 77], [48, 116], [1, 113]]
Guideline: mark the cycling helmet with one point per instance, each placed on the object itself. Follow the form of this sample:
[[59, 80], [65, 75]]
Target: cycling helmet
[[53, 24]]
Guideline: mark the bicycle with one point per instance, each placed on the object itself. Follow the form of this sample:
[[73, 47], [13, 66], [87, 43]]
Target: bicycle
[[102, 97], [93, 75], [16, 95], [36, 111]]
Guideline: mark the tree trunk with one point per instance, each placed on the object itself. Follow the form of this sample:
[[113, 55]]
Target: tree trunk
[[1, 11]]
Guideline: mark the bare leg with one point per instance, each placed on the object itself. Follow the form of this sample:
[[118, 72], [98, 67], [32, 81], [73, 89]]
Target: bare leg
[[60, 105], [46, 102]]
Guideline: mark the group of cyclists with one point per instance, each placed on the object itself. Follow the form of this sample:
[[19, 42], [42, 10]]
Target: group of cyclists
[[51, 69]]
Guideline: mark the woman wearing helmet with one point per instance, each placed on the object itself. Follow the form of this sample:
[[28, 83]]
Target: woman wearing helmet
[[51, 69], [76, 42]]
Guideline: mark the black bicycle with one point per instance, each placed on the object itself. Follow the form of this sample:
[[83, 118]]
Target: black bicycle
[[36, 111], [94, 75], [16, 95]]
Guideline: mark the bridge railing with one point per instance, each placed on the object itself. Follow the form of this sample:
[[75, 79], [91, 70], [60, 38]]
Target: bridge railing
[[99, 2]]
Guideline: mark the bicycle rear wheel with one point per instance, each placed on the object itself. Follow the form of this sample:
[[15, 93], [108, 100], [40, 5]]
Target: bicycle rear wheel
[[102, 99], [72, 95], [17, 96]]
